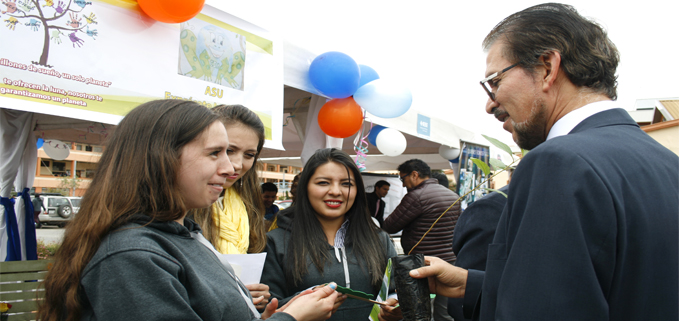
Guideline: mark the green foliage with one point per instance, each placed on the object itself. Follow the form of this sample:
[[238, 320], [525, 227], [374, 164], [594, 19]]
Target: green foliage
[[497, 164], [499, 144], [46, 251], [482, 165]]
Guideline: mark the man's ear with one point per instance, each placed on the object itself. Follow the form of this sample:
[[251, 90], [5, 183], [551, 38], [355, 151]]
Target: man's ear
[[551, 61]]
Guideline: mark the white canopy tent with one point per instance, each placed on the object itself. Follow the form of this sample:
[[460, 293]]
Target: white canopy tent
[[25, 120]]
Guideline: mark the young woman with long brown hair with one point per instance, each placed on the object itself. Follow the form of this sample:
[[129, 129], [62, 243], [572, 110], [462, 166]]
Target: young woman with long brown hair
[[235, 223], [130, 254]]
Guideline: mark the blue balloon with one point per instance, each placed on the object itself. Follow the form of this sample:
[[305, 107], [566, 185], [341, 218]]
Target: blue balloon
[[335, 74], [373, 133], [367, 75], [40, 142]]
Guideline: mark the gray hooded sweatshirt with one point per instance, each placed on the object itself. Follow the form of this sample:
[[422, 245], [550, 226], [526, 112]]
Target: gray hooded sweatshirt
[[156, 271]]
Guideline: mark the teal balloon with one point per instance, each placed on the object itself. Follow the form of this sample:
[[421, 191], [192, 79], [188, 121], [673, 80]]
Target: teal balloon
[[385, 99], [335, 74], [40, 142], [367, 75], [373, 134]]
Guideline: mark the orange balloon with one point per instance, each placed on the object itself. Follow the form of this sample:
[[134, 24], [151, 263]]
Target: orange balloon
[[171, 11], [340, 118]]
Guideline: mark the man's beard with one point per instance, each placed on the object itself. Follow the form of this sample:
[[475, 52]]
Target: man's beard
[[531, 132]]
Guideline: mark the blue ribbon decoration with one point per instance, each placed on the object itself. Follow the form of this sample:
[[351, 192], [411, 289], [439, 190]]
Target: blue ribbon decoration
[[30, 237], [12, 228]]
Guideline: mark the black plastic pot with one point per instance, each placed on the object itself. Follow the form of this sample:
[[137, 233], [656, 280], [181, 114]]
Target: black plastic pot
[[413, 294]]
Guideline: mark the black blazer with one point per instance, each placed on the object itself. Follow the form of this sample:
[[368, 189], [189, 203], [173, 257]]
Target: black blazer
[[474, 231], [372, 202], [590, 230]]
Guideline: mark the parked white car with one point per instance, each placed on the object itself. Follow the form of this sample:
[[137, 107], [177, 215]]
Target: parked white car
[[58, 210]]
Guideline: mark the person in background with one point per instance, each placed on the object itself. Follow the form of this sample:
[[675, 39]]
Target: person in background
[[418, 213], [38, 207], [131, 253], [328, 237], [441, 178], [375, 202], [474, 232], [269, 193], [591, 229], [235, 223], [289, 209]]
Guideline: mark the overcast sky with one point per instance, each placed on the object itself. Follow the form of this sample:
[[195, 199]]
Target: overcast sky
[[435, 46]]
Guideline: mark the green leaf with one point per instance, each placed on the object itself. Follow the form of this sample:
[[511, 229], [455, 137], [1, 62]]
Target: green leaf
[[482, 165], [499, 144], [524, 151], [497, 164], [498, 191]]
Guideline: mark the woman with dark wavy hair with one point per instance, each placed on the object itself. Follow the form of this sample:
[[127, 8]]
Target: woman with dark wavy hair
[[329, 236], [131, 253]]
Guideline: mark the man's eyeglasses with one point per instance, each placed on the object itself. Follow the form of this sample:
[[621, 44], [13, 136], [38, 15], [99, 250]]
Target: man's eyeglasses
[[403, 178], [488, 81]]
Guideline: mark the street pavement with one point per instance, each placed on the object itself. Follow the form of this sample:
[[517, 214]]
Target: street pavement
[[50, 234]]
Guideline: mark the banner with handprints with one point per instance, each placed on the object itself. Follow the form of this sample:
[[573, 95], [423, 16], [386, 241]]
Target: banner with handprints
[[98, 59]]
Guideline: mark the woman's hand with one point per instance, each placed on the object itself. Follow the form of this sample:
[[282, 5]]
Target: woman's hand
[[260, 295], [390, 312], [310, 305]]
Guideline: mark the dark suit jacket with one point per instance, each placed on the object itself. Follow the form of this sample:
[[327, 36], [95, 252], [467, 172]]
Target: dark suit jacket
[[372, 202], [474, 231], [590, 230]]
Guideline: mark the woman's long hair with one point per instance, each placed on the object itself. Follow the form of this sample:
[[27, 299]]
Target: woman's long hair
[[136, 174], [362, 233], [248, 186]]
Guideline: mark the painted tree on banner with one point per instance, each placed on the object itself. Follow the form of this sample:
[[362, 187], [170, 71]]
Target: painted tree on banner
[[52, 19]]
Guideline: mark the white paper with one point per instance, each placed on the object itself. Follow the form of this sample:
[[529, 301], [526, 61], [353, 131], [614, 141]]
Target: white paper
[[248, 267]]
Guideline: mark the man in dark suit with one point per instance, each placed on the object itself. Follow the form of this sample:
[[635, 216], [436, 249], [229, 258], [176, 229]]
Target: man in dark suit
[[591, 226], [375, 202]]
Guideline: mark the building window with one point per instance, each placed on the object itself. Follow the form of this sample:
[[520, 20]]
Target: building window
[[88, 148], [85, 169]]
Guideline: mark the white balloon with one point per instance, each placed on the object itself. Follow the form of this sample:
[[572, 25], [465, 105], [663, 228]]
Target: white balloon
[[384, 98], [391, 142], [449, 153], [56, 149]]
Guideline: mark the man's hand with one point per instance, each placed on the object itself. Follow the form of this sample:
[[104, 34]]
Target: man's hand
[[444, 278], [390, 313]]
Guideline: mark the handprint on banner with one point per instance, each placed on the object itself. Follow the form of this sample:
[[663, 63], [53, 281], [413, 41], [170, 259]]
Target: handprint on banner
[[82, 3], [60, 7], [11, 6], [58, 20], [91, 19], [25, 6], [56, 36], [74, 22], [92, 33], [34, 24], [11, 23], [75, 40]]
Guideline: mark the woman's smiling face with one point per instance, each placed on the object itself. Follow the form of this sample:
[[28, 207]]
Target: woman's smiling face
[[242, 150], [331, 191]]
